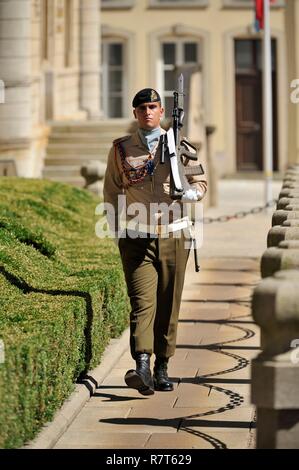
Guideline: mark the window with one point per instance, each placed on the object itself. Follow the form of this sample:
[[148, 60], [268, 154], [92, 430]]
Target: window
[[178, 3], [68, 32], [248, 55], [111, 4], [249, 3], [113, 88], [44, 30], [177, 55]]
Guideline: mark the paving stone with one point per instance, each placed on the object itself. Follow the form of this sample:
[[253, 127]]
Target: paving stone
[[125, 360], [254, 341], [206, 356], [232, 326], [221, 370], [248, 353], [195, 394], [203, 305], [204, 310], [110, 397], [200, 438], [210, 293], [164, 412], [112, 379], [237, 419], [220, 277], [222, 440], [180, 440], [180, 355], [230, 264], [119, 420], [194, 334], [233, 376], [96, 439], [223, 426], [179, 362], [118, 371], [239, 413], [197, 327], [233, 388], [240, 310], [215, 394], [180, 372], [222, 338], [189, 334]]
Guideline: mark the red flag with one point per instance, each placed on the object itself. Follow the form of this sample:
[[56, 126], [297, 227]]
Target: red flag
[[259, 12]]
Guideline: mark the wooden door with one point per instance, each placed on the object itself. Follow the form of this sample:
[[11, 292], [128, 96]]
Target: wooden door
[[249, 105]]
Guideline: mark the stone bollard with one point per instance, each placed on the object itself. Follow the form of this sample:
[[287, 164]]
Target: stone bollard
[[281, 216], [287, 192], [291, 223], [286, 201], [290, 184], [280, 233], [275, 372], [283, 257], [94, 172], [292, 207], [293, 176]]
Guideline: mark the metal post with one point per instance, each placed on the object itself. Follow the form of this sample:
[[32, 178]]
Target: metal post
[[267, 105]]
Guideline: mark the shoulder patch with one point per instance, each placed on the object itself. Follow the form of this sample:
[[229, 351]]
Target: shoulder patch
[[121, 139]]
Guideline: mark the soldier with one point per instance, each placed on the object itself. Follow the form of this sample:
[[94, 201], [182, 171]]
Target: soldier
[[154, 255]]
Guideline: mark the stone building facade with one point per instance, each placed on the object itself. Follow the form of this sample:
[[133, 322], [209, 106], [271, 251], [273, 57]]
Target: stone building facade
[[49, 71], [78, 60], [156, 37]]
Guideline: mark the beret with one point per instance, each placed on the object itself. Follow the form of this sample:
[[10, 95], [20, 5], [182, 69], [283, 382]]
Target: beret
[[147, 95]]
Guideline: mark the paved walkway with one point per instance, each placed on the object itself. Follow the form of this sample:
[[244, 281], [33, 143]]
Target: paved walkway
[[210, 406]]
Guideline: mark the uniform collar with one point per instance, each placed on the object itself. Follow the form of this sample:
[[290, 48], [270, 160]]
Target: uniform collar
[[137, 140]]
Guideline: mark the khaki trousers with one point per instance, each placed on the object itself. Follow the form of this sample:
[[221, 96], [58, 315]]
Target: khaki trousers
[[154, 269]]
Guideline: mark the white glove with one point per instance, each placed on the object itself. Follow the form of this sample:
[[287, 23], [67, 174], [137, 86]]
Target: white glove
[[192, 195]]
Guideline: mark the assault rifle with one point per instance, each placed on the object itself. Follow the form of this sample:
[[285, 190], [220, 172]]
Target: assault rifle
[[179, 149]]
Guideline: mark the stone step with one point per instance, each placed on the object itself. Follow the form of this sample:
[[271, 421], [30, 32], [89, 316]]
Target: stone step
[[78, 151], [79, 145], [72, 180], [73, 144], [73, 160], [118, 125], [74, 137], [61, 170]]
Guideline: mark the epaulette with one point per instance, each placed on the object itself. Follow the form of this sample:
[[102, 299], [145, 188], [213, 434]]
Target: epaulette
[[121, 139]]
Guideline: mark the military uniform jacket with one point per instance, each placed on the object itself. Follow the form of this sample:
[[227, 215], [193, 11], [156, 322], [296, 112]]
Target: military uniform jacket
[[128, 172]]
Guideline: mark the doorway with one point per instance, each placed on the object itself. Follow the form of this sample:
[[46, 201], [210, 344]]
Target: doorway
[[249, 104]]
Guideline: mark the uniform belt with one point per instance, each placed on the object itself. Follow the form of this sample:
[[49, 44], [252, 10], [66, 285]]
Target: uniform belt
[[161, 229]]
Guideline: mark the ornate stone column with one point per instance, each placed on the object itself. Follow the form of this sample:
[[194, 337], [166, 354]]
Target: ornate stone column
[[90, 57]]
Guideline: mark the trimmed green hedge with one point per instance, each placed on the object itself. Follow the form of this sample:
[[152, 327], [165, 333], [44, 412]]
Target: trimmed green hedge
[[63, 296]]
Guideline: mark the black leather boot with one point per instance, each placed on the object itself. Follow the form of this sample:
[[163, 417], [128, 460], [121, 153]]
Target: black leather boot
[[141, 379], [161, 379]]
